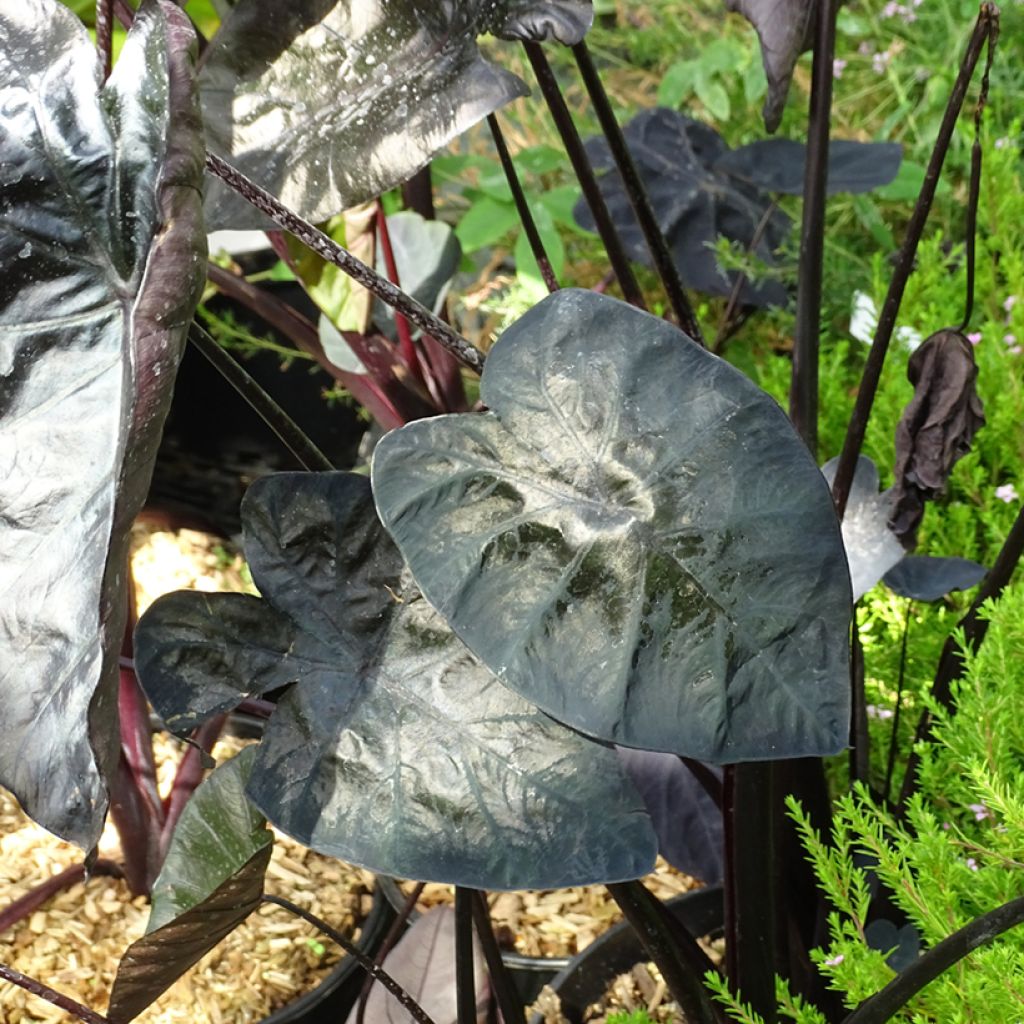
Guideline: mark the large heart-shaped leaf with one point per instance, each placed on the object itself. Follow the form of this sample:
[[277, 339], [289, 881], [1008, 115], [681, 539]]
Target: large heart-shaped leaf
[[694, 203], [633, 538], [328, 103], [103, 252], [785, 29], [395, 749], [210, 883]]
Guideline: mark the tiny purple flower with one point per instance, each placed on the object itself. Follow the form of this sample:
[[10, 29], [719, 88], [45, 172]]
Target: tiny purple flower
[[972, 863], [1009, 302], [838, 67], [974, 337], [1015, 351], [1007, 493], [1002, 143], [874, 711], [946, 826], [865, 49], [981, 812], [834, 961], [1010, 339]]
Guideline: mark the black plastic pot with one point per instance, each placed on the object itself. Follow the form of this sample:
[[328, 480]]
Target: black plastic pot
[[586, 979], [529, 973], [331, 1001]]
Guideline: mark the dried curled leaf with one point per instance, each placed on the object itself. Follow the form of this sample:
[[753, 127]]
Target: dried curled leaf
[[937, 425]]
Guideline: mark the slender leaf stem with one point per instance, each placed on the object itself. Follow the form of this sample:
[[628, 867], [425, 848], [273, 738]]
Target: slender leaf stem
[[982, 930], [104, 24], [522, 206], [585, 174], [681, 961], [329, 250], [17, 910], [510, 1005], [894, 735], [309, 456], [951, 660], [860, 740], [636, 192], [37, 988], [708, 780], [375, 971], [465, 982], [418, 194], [803, 394], [985, 27]]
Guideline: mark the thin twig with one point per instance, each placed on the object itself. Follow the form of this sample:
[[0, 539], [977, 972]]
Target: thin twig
[[637, 194], [37, 988], [357, 954], [329, 250], [985, 27], [522, 207], [585, 174], [509, 1004]]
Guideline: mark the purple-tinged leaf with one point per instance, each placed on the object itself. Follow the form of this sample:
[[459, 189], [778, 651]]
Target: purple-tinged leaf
[[785, 29], [210, 883], [103, 251], [633, 539], [927, 578], [395, 748], [423, 963], [687, 822], [328, 103]]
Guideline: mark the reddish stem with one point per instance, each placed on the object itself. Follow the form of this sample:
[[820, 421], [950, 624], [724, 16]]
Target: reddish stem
[[22, 907], [37, 988]]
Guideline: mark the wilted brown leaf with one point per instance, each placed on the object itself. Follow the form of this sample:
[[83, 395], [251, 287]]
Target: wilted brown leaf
[[936, 427]]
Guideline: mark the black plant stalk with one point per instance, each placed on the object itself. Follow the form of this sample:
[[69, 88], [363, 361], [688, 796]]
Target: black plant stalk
[[985, 28], [418, 194], [890, 761], [752, 881], [637, 193], [982, 930], [465, 982], [681, 961], [951, 661], [288, 432], [584, 174], [803, 395], [104, 24], [37, 988], [377, 972], [509, 1004], [860, 743], [707, 779], [329, 250], [522, 207]]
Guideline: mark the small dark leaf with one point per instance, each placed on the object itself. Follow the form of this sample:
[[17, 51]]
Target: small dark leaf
[[687, 821], [328, 103], [937, 425], [423, 963], [872, 549], [785, 29], [536, 20], [902, 944], [395, 748], [634, 539], [925, 578], [777, 165], [693, 202], [210, 883], [427, 255], [103, 251]]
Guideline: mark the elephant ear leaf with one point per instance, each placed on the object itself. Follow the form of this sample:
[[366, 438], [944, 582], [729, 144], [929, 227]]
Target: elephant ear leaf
[[568, 21], [210, 883], [328, 103], [103, 251], [784, 29], [633, 538]]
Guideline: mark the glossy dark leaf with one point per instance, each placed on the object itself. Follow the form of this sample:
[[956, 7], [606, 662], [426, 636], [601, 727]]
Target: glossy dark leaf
[[328, 103], [693, 202], [785, 29], [633, 538], [535, 20], [427, 255], [926, 578], [777, 165], [687, 821], [872, 549], [210, 883], [902, 944], [395, 748], [103, 252], [423, 963], [937, 425]]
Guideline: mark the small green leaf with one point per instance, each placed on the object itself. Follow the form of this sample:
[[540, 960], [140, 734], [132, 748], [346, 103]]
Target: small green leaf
[[677, 83], [714, 97], [484, 223], [539, 160], [870, 216], [560, 203]]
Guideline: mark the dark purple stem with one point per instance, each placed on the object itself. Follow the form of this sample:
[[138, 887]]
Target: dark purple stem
[[25, 905], [636, 192], [510, 1006], [986, 26], [584, 174], [465, 982], [37, 988], [105, 35], [522, 206], [329, 250]]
